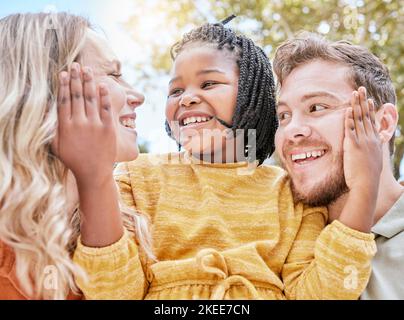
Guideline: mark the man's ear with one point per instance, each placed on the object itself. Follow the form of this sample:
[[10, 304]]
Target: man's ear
[[387, 119]]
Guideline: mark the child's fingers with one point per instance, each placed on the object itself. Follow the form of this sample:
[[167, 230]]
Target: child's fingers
[[64, 105], [350, 124], [372, 114], [76, 90], [363, 102], [105, 105], [90, 96], [357, 114]]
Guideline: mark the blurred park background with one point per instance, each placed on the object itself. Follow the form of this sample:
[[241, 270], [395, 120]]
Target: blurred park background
[[141, 32]]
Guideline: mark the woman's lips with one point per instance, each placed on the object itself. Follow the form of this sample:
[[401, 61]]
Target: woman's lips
[[128, 122]]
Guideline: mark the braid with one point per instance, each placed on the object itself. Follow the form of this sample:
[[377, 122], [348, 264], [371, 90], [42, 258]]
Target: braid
[[255, 107]]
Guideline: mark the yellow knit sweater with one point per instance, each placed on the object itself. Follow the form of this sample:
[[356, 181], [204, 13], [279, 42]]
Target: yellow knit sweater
[[219, 233]]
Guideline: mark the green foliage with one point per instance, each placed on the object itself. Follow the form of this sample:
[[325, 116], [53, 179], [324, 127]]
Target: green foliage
[[376, 24], [143, 147]]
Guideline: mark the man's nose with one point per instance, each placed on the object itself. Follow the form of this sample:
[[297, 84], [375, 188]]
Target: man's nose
[[297, 129]]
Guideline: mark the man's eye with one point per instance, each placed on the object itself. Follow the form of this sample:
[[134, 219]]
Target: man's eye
[[175, 92], [207, 84], [317, 107], [283, 116]]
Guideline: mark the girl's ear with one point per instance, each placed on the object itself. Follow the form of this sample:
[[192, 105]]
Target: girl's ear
[[387, 119]]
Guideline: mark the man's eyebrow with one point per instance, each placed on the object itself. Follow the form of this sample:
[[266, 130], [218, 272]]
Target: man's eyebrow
[[281, 104], [311, 95], [319, 94]]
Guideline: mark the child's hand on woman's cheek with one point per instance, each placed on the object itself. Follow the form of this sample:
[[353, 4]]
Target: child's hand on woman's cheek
[[86, 138]]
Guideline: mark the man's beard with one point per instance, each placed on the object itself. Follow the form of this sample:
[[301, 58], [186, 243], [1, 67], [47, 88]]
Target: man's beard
[[327, 191]]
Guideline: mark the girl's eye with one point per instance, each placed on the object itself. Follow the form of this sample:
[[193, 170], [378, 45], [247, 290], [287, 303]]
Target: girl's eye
[[317, 107], [175, 92], [208, 84], [284, 115]]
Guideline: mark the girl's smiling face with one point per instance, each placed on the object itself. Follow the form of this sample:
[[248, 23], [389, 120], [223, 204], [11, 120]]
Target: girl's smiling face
[[203, 87]]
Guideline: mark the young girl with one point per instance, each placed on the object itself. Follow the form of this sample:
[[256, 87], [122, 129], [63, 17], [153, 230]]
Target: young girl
[[39, 223], [217, 232]]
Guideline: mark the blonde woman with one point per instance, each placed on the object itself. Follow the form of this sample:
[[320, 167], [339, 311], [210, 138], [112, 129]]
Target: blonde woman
[[39, 220]]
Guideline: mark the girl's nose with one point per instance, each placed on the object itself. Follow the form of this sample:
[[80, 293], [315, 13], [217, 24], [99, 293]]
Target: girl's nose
[[188, 100]]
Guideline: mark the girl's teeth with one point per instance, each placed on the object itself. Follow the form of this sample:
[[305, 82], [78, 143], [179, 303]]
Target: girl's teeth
[[195, 120]]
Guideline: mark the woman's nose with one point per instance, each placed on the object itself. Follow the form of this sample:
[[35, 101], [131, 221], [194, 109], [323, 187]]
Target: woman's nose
[[135, 99]]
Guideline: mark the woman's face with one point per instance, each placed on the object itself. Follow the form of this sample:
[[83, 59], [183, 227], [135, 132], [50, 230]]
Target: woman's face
[[203, 87], [97, 55]]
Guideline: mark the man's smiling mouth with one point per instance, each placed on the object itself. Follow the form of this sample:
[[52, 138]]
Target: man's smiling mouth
[[303, 157]]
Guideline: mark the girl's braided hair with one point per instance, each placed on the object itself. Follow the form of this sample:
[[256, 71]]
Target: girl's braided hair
[[255, 108]]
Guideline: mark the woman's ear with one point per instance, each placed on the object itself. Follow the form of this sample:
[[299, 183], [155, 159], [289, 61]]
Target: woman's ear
[[387, 119]]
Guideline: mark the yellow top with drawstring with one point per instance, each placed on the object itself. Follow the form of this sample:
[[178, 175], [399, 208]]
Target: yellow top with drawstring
[[224, 231]]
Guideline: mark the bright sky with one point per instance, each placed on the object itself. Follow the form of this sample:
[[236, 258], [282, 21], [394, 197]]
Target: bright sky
[[108, 15]]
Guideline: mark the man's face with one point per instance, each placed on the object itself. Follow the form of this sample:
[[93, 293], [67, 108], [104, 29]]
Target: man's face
[[309, 141]]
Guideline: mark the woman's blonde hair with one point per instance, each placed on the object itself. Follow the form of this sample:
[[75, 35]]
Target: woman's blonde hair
[[34, 219]]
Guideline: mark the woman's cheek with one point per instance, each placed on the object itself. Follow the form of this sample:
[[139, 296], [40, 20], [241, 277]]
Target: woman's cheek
[[118, 99]]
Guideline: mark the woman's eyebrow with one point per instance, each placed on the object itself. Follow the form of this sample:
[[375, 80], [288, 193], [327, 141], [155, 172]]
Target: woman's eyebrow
[[117, 65], [113, 64]]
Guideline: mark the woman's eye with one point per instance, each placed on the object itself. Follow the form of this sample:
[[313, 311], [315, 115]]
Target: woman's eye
[[175, 92], [317, 107], [116, 75], [208, 84]]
